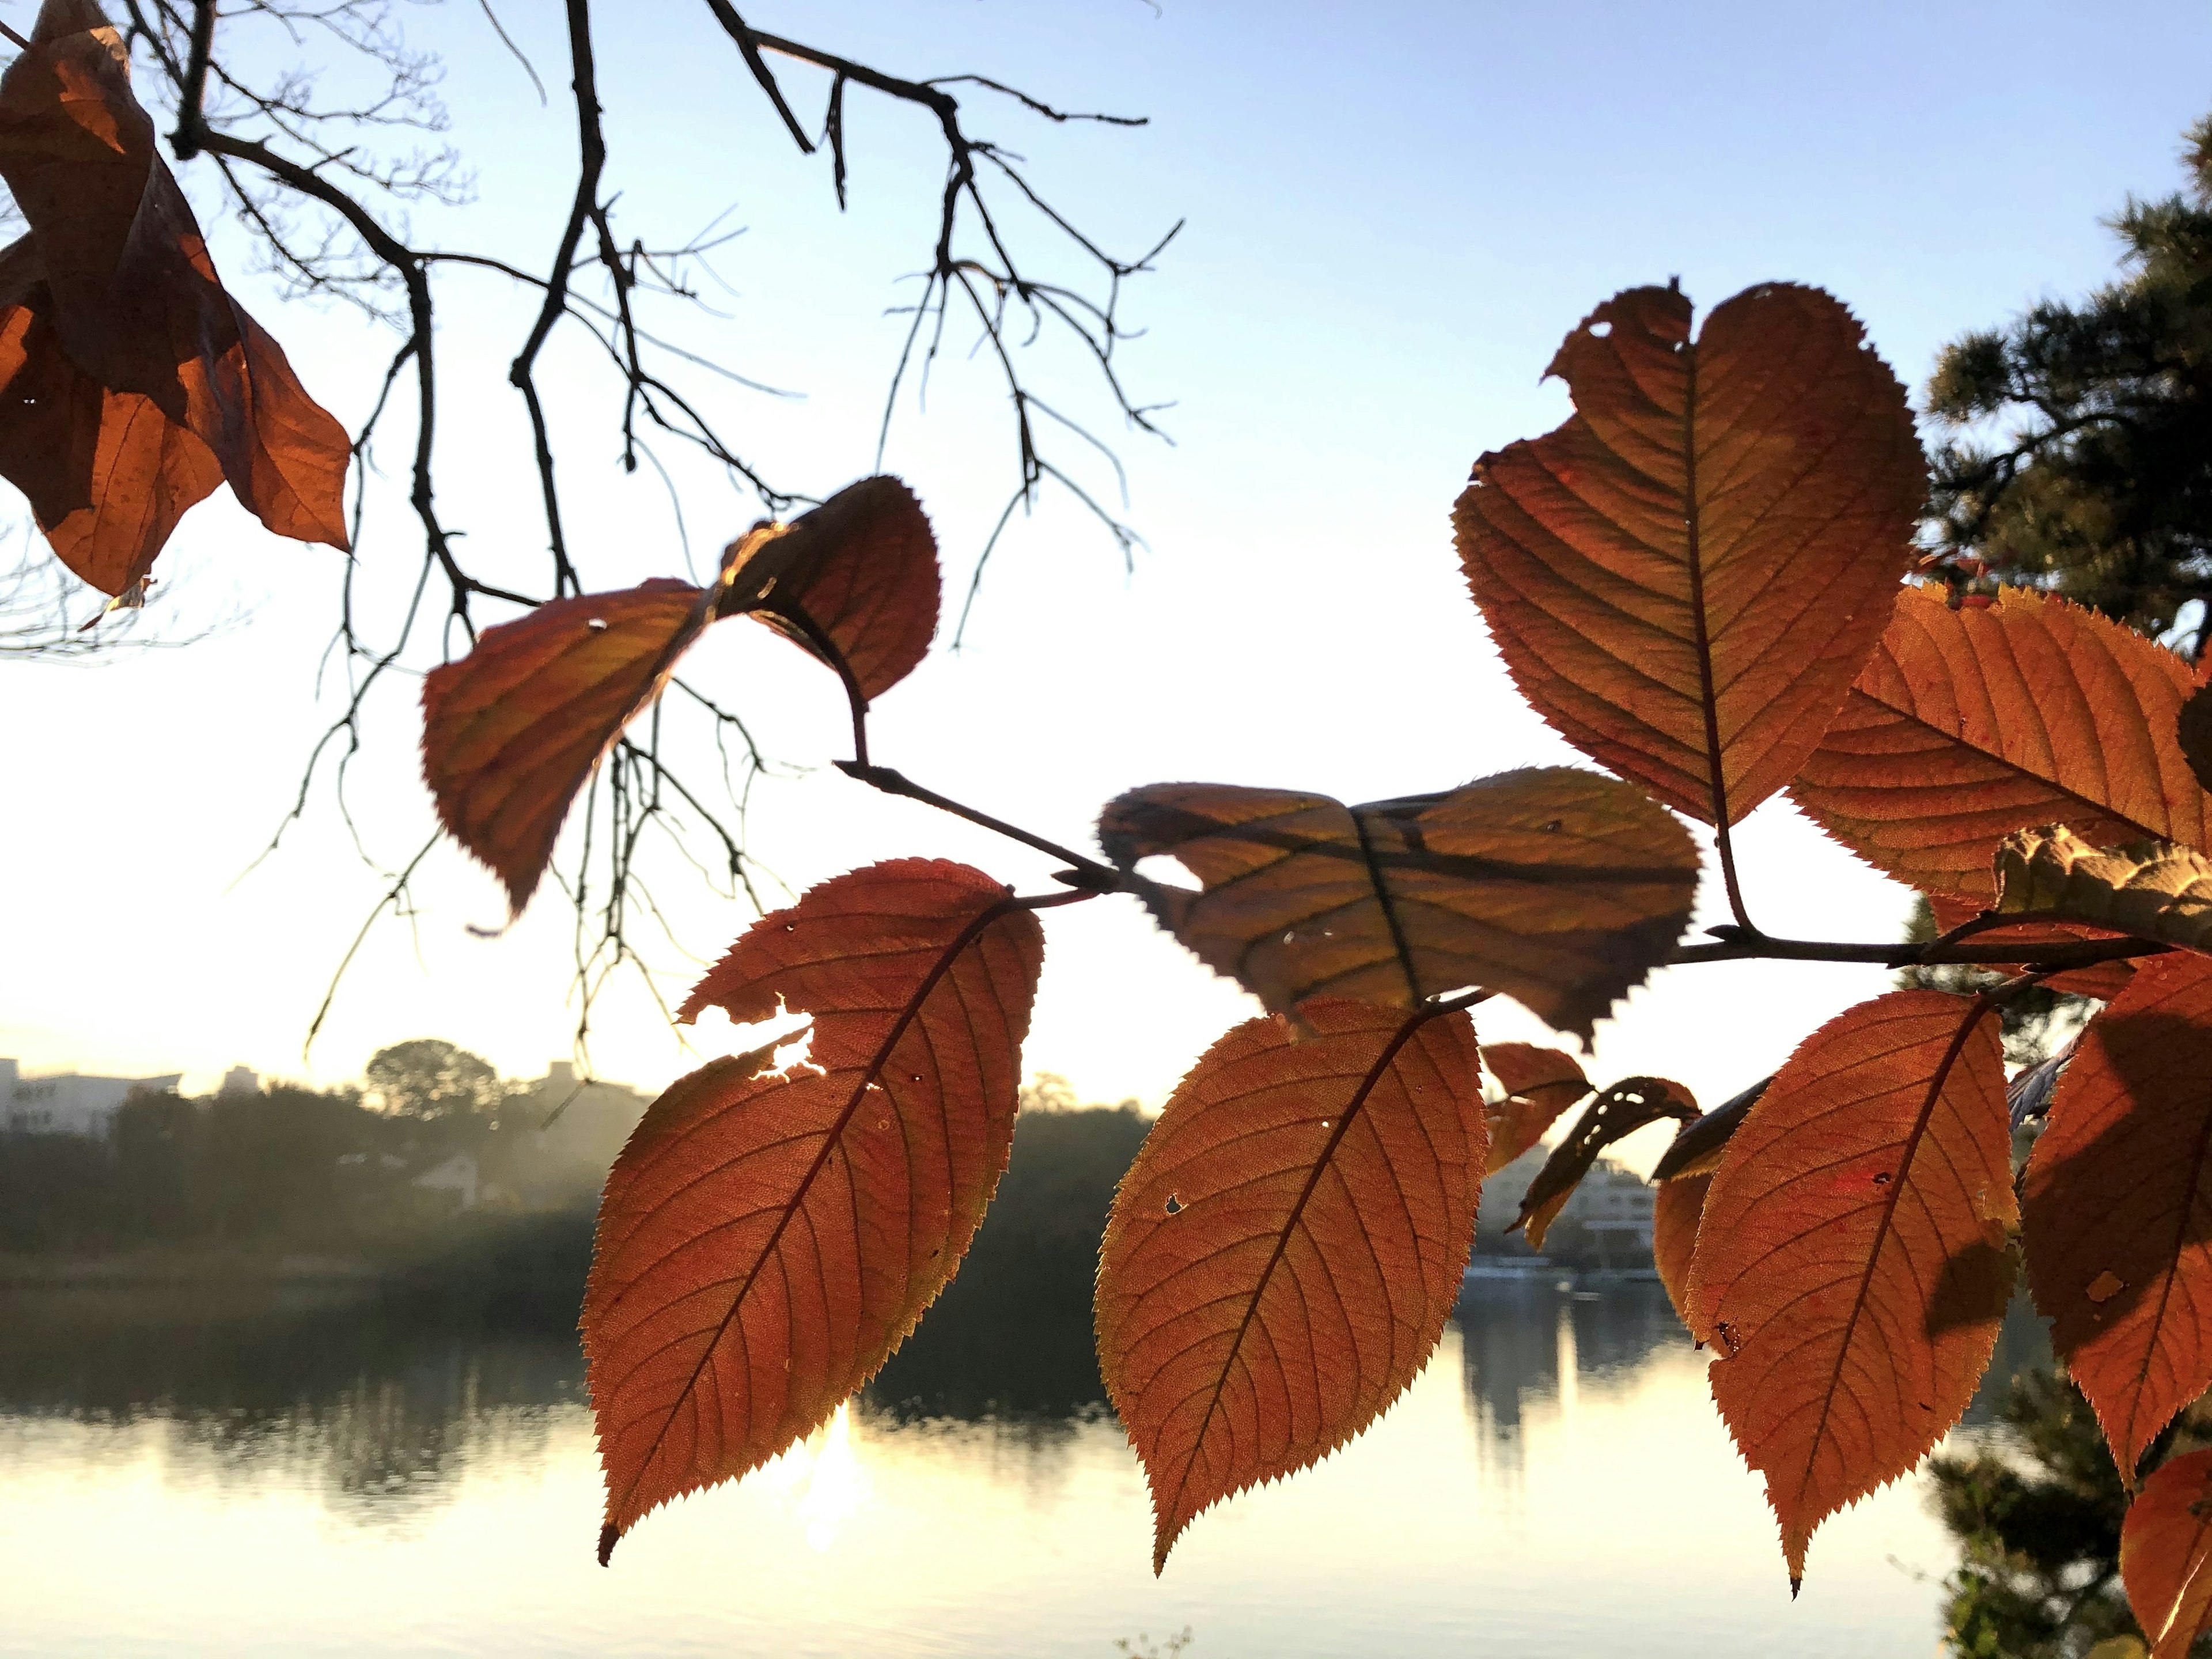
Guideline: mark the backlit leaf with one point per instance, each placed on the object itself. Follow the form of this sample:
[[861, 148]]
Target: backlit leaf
[[1852, 1265], [2154, 892], [1675, 1212], [1685, 577], [2118, 1196], [1699, 1145], [1555, 886], [1539, 1084], [1968, 724], [1618, 1111], [512, 731], [766, 1239], [2166, 1555], [1283, 1255], [115, 293], [2102, 979], [859, 573]]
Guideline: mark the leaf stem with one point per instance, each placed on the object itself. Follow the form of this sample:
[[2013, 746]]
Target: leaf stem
[[1087, 874]]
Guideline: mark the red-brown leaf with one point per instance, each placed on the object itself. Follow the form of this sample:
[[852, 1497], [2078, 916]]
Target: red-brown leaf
[[766, 1241], [1685, 577], [1675, 1212], [859, 573], [2119, 1206], [1283, 1255], [2166, 1547], [1851, 1264], [1539, 1084], [1620, 1110], [124, 282], [511, 731], [2103, 980], [1556, 886], [1968, 724]]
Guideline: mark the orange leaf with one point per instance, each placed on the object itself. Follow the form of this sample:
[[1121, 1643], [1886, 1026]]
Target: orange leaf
[[1555, 886], [766, 1240], [2119, 1206], [1851, 1264], [1283, 1255], [1620, 1110], [1675, 1212], [1685, 577], [2103, 980], [2165, 1546], [1968, 724], [511, 731], [1539, 1084], [125, 283], [858, 575]]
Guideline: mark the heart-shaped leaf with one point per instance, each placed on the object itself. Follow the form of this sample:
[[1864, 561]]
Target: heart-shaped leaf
[[1555, 886], [1685, 578], [766, 1239]]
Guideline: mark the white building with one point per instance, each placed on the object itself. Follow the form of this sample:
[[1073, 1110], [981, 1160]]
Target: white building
[[68, 1104]]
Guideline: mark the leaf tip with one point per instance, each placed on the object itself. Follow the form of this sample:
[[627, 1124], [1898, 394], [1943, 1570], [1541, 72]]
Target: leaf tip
[[609, 1534]]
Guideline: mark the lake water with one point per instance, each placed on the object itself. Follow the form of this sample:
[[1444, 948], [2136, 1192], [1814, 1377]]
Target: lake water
[[185, 1474]]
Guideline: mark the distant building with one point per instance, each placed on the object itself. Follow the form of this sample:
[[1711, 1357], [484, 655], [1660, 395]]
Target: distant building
[[1612, 1206], [68, 1104], [557, 1139], [456, 1176], [241, 1080]]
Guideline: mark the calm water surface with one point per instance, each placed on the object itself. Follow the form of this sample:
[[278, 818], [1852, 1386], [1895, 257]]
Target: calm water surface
[[185, 1475]]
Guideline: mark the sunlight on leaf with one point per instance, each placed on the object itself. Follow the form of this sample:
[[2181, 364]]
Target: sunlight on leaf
[[2156, 892], [1675, 1209], [1283, 1255], [2166, 1555], [1539, 1084]]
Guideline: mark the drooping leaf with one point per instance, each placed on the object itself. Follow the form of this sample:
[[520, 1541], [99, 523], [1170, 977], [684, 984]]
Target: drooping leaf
[[1675, 1212], [2118, 1195], [1685, 577], [115, 293], [1970, 723], [1619, 1110], [2029, 1096], [2102, 979], [1283, 1255], [858, 573], [1539, 1084], [2166, 1555], [1555, 886], [1852, 1265], [512, 731], [1699, 1146], [766, 1239], [2156, 891]]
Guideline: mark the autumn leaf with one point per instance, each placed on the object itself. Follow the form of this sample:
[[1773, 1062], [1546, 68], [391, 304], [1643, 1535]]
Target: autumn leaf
[[2118, 1197], [1699, 1145], [2165, 1547], [113, 293], [1618, 1111], [1968, 724], [2156, 891], [767, 1239], [512, 731], [854, 580], [1685, 577], [2102, 979], [1851, 1264], [1555, 886], [2193, 732], [1283, 1255], [1539, 1084], [1674, 1211]]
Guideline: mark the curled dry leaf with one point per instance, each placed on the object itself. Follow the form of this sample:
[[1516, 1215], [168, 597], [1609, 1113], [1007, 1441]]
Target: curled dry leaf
[[2157, 892], [1539, 1084], [1968, 724], [2166, 1555], [512, 731], [2118, 1196], [1555, 886], [766, 1240], [1675, 1209], [1852, 1265], [134, 381], [1685, 578], [856, 579], [1699, 1145], [1283, 1255], [1620, 1110]]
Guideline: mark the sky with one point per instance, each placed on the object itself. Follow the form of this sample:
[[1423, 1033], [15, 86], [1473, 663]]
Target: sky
[[1390, 217]]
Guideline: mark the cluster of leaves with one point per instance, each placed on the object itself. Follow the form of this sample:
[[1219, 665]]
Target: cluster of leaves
[[1701, 580]]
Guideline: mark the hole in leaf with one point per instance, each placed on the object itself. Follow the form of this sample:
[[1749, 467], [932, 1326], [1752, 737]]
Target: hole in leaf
[[1599, 330], [1881, 1178], [598, 624], [1174, 1204], [1163, 871]]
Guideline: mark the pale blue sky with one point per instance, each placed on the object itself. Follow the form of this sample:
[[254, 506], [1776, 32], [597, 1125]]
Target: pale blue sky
[[1393, 214]]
